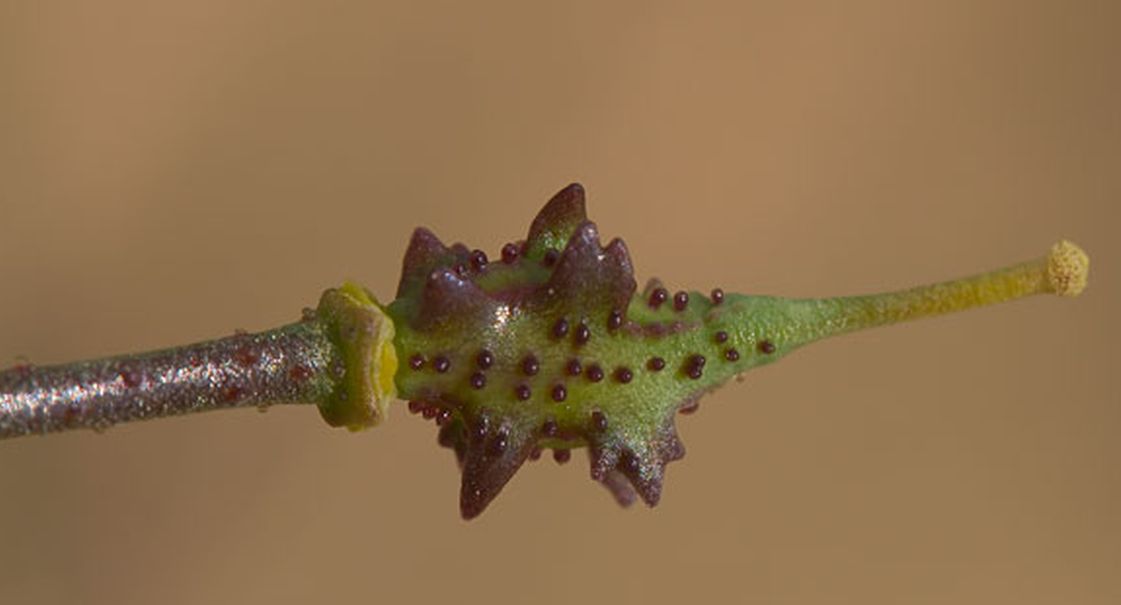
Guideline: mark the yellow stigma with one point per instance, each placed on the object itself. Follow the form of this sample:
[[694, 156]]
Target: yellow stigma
[[1068, 267]]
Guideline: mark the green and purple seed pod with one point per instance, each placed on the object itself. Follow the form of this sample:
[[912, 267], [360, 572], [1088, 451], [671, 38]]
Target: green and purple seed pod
[[548, 346]]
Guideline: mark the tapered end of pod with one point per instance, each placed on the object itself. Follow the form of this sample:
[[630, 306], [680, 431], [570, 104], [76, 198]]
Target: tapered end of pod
[[1068, 268]]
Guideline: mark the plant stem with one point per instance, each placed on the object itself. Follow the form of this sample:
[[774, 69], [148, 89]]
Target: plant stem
[[340, 358], [296, 363]]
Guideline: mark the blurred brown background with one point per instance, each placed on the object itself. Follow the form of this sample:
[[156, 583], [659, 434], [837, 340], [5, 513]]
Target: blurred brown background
[[171, 173]]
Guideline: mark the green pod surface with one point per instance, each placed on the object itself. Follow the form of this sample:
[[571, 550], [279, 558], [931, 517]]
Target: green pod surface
[[553, 346]]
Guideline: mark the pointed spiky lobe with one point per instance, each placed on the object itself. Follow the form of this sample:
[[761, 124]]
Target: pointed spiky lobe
[[549, 346]]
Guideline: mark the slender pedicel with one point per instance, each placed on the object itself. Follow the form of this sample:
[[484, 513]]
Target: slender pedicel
[[292, 364], [339, 358], [551, 347]]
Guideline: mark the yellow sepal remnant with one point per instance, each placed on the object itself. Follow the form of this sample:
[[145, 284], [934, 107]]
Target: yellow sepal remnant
[[364, 334], [383, 368]]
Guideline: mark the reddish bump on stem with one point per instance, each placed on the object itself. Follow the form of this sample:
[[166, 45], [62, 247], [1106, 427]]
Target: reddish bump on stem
[[582, 334], [680, 301], [573, 367], [485, 359], [530, 365], [299, 372], [560, 328], [478, 260], [246, 356], [441, 364], [131, 378], [550, 257], [623, 375], [500, 442], [443, 417], [594, 373], [614, 320], [482, 426], [694, 367]]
